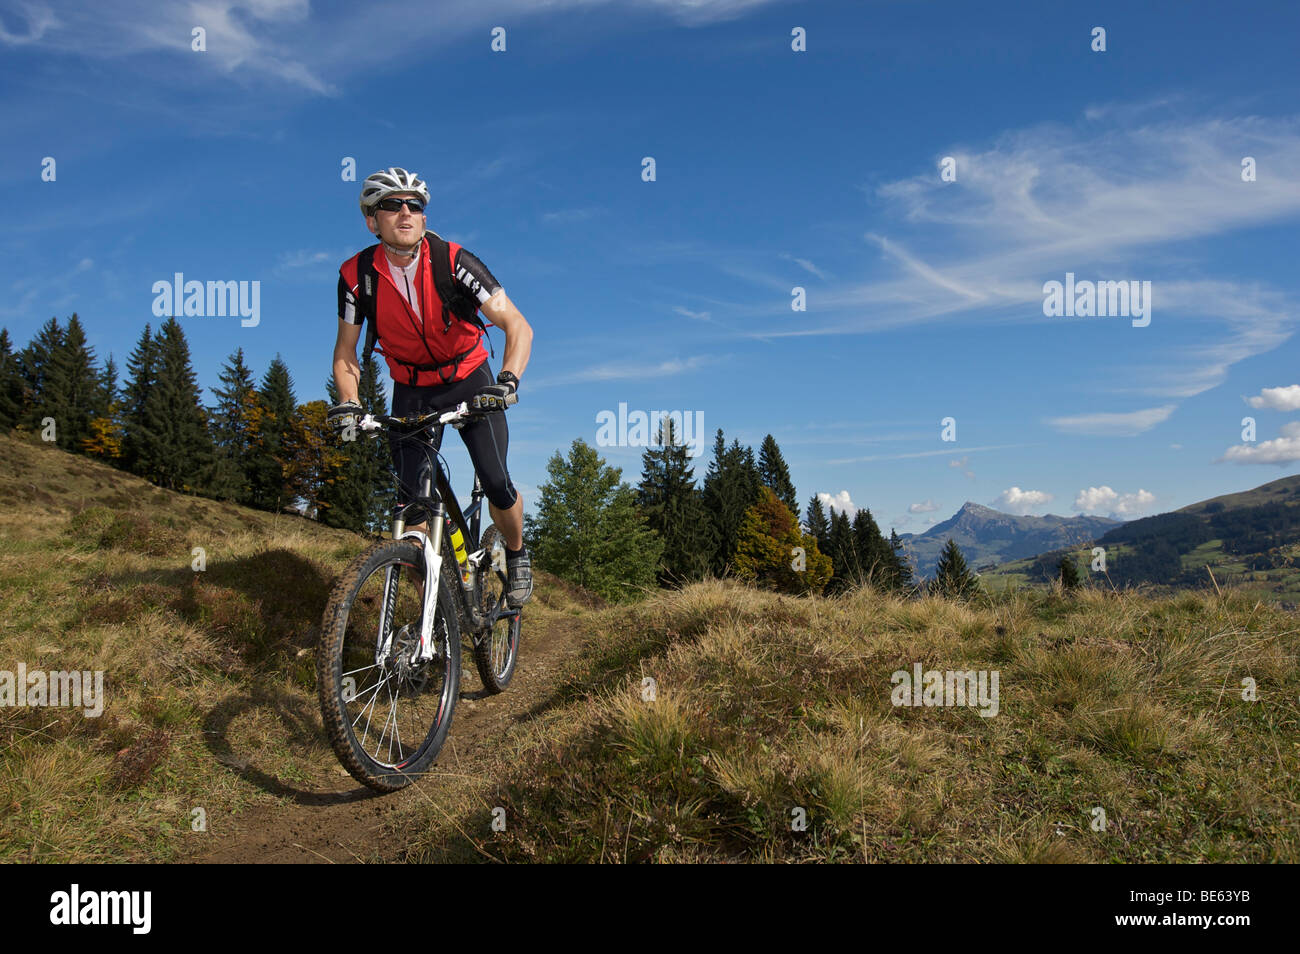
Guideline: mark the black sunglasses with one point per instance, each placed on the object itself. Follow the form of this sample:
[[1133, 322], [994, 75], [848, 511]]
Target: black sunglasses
[[395, 205]]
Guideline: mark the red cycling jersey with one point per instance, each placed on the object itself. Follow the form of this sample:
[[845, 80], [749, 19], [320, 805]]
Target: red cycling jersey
[[414, 334]]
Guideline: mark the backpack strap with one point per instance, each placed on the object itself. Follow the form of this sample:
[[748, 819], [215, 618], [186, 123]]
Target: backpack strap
[[455, 300], [367, 282]]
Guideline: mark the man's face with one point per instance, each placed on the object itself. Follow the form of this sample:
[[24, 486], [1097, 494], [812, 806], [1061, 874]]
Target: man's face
[[402, 228]]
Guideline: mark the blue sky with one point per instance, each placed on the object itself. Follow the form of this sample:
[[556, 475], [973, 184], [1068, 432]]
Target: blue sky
[[774, 169]]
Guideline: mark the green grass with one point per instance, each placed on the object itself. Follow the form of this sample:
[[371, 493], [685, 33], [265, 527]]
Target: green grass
[[770, 707]]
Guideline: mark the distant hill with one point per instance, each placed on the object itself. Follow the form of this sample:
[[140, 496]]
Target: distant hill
[[988, 537], [1249, 539]]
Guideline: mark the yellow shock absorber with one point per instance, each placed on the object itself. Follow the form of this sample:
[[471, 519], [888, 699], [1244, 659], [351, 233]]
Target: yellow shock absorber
[[458, 547]]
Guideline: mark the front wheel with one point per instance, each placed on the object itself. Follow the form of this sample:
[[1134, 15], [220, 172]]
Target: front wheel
[[496, 651], [386, 712]]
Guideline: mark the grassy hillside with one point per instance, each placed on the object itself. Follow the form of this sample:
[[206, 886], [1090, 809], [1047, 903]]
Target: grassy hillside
[[1248, 540], [764, 704], [769, 704], [209, 676]]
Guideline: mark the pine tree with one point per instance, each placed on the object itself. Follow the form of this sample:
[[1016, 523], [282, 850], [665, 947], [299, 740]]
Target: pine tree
[[11, 384], [276, 413], [234, 425], [105, 440], [588, 528], [173, 410], [730, 488], [842, 553], [376, 473], [141, 444], [953, 577], [359, 495], [1069, 573], [774, 473], [817, 524], [80, 392], [44, 378], [774, 553], [904, 574], [108, 390], [674, 508], [872, 553]]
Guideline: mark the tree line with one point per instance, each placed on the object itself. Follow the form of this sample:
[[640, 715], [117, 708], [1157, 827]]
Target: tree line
[[256, 445], [601, 532]]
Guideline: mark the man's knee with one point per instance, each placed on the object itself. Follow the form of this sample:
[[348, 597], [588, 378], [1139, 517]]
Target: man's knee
[[502, 496]]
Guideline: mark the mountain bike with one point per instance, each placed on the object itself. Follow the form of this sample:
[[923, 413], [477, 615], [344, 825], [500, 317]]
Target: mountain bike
[[388, 664]]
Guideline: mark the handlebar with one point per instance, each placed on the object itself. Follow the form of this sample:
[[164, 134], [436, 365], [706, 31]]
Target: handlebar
[[457, 417]]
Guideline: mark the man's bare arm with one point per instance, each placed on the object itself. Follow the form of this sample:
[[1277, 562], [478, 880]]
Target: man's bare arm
[[501, 311], [347, 370]]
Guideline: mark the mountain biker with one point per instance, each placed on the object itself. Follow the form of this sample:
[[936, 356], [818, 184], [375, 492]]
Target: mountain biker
[[407, 311]]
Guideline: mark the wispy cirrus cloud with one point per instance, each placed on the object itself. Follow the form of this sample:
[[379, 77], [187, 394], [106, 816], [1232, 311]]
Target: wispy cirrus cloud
[[1107, 195], [570, 216], [1119, 424], [308, 47], [37, 20], [310, 259], [931, 453], [627, 371], [806, 265]]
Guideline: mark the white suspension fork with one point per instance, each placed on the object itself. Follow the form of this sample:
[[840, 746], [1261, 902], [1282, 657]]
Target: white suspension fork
[[431, 545]]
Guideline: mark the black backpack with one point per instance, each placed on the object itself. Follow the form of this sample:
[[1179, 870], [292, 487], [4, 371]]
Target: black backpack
[[456, 302]]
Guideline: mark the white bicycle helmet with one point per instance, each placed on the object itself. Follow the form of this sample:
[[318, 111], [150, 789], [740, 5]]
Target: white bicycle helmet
[[388, 181]]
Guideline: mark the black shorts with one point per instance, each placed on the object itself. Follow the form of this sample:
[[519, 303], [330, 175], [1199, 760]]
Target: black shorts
[[486, 439]]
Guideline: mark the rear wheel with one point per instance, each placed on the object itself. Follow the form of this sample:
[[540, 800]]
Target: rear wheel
[[386, 712], [497, 651]]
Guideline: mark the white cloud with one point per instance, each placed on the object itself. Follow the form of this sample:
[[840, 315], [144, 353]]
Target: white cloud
[[698, 315], [1104, 500], [565, 216], [1015, 500], [39, 19], [915, 454], [1095, 197], [702, 12], [306, 258], [1279, 399], [1281, 450], [1125, 424], [926, 506], [961, 464], [840, 501], [288, 42], [806, 265], [627, 370]]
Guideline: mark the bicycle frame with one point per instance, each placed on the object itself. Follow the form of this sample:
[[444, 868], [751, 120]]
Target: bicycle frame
[[438, 501]]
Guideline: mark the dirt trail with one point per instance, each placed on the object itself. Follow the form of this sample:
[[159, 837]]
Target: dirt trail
[[331, 818]]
